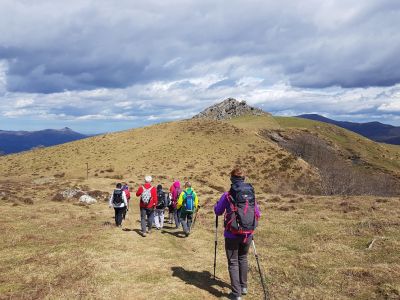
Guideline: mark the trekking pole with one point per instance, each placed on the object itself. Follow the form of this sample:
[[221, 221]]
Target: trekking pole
[[259, 271], [194, 221], [216, 242]]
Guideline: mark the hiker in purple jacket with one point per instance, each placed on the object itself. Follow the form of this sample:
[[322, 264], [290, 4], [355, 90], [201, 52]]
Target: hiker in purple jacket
[[237, 244]]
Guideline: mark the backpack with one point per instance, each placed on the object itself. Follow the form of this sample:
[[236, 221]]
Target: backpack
[[146, 195], [117, 197], [242, 217], [161, 199], [127, 194], [188, 201], [175, 195], [168, 200]]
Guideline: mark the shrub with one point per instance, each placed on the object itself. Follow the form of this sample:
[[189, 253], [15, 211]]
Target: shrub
[[58, 197], [28, 201]]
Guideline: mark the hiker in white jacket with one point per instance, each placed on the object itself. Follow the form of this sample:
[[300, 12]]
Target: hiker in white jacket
[[120, 203]]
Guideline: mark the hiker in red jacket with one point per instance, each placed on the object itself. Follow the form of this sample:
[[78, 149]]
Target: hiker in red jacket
[[148, 202]]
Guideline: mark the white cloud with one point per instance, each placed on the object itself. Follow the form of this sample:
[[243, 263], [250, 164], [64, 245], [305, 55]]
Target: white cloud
[[89, 60], [3, 76], [168, 100], [390, 107], [21, 103]]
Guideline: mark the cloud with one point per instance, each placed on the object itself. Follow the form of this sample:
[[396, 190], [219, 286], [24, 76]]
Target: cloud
[[169, 100], [55, 46], [3, 76], [89, 60]]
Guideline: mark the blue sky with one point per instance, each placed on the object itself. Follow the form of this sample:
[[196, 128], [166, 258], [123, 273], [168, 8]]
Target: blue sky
[[98, 66]]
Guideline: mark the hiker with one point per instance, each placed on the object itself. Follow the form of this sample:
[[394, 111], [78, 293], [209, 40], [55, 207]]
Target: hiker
[[125, 188], [240, 220], [175, 191], [120, 203], [148, 201], [162, 203], [187, 205]]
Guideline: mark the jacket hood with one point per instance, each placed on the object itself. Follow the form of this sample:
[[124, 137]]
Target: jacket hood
[[177, 184], [237, 179]]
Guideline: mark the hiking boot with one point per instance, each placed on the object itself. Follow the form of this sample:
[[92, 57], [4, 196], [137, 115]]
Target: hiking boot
[[186, 234], [244, 291], [234, 297], [144, 234]]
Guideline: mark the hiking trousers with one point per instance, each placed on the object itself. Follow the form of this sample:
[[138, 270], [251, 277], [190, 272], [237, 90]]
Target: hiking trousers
[[146, 218], [159, 217], [124, 215], [119, 213], [176, 217], [236, 252], [186, 220]]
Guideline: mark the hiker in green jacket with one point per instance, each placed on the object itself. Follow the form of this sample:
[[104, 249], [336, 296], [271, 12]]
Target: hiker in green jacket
[[187, 205]]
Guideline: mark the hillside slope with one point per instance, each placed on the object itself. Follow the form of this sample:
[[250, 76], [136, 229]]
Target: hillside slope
[[203, 150], [346, 162], [337, 246]]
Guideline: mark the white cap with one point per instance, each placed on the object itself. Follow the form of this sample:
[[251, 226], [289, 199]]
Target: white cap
[[148, 179]]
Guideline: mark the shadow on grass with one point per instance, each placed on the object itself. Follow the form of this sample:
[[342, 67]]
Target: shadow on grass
[[202, 280], [169, 226], [178, 234], [138, 231]]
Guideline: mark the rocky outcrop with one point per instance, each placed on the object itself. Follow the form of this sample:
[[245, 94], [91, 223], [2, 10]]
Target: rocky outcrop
[[87, 199], [70, 193], [229, 108]]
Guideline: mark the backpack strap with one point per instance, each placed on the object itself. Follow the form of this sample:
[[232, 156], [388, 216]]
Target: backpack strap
[[232, 206]]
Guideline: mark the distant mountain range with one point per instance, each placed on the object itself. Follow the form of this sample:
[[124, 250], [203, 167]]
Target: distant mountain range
[[17, 141], [375, 131]]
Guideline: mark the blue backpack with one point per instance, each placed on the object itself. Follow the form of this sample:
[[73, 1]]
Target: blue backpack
[[188, 201]]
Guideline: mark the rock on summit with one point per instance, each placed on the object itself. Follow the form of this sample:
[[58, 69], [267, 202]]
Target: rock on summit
[[227, 109]]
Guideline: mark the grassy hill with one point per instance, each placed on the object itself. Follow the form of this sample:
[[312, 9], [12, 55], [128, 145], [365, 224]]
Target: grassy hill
[[203, 150], [311, 247]]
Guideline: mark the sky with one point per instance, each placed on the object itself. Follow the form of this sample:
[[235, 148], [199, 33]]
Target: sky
[[101, 66]]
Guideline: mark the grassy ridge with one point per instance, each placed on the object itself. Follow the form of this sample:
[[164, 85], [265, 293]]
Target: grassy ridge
[[310, 247], [203, 150]]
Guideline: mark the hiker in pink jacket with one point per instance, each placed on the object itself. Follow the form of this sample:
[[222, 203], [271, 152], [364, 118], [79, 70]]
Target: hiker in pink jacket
[[175, 191]]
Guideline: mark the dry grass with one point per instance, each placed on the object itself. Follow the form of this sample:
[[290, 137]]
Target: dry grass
[[314, 250], [188, 148], [310, 247]]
